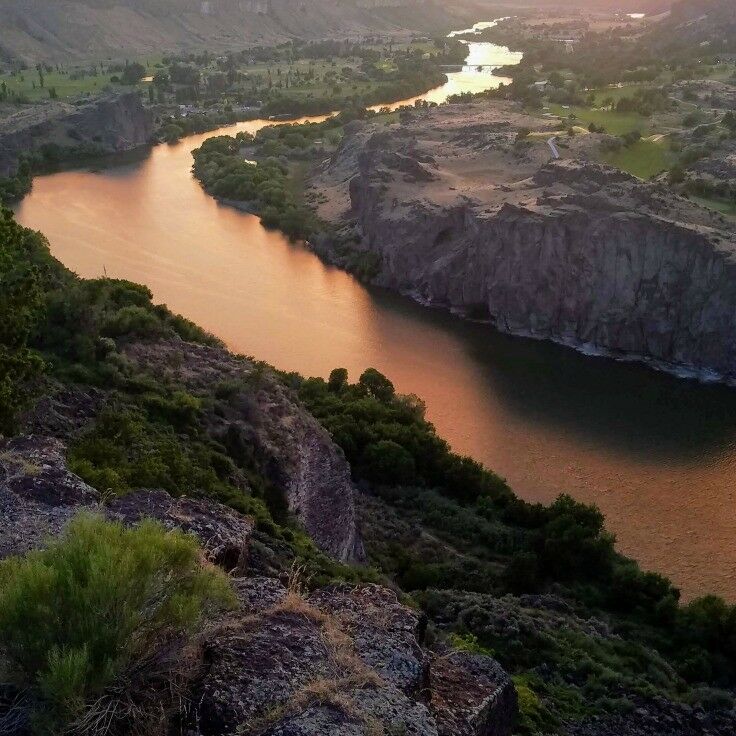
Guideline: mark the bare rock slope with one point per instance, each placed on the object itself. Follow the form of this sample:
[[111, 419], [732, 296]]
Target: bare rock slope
[[36, 30], [457, 212]]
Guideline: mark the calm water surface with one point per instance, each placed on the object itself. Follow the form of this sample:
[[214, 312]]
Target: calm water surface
[[657, 454]]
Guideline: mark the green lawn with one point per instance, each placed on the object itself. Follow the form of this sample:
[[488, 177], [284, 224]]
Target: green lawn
[[719, 205], [615, 123], [69, 82], [63, 83], [644, 159]]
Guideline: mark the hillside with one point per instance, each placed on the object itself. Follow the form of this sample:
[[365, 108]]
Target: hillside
[[709, 25], [90, 29]]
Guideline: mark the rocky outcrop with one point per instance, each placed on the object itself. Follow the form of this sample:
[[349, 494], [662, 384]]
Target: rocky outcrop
[[260, 417], [471, 694], [569, 250], [257, 420], [345, 660], [39, 495], [108, 124], [658, 717], [223, 533]]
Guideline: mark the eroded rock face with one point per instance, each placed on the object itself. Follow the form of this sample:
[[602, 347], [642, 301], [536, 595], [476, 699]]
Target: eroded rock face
[[396, 655], [223, 533], [472, 694], [39, 496], [568, 250], [260, 416]]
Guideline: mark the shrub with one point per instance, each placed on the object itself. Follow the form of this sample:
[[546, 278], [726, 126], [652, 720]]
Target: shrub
[[387, 462], [75, 616]]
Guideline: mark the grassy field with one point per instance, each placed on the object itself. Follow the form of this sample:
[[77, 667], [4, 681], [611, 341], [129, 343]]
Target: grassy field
[[719, 205], [27, 84], [615, 123], [644, 159], [71, 82]]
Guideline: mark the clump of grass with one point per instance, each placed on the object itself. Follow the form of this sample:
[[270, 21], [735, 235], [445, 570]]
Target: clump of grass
[[77, 617]]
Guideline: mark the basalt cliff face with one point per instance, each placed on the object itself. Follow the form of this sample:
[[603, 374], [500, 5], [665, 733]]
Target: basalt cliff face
[[462, 215], [109, 124]]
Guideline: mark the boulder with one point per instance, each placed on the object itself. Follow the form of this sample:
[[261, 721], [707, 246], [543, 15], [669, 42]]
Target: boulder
[[472, 696], [223, 533], [38, 494]]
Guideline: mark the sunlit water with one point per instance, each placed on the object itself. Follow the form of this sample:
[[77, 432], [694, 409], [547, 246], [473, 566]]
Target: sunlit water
[[657, 454]]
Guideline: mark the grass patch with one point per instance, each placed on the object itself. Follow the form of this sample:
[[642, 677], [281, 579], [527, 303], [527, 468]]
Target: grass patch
[[719, 205], [615, 123], [644, 159]]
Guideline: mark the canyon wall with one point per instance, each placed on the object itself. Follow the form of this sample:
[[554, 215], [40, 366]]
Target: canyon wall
[[110, 124], [569, 250]]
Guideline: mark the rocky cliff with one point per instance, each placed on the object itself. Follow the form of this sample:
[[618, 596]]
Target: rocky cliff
[[108, 124], [260, 418], [463, 215]]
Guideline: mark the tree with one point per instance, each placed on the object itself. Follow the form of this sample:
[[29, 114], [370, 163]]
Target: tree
[[21, 299], [377, 385], [386, 462], [338, 380], [133, 73]]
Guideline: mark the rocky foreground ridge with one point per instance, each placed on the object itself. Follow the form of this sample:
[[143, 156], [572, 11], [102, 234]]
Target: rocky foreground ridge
[[344, 659], [457, 212], [111, 123]]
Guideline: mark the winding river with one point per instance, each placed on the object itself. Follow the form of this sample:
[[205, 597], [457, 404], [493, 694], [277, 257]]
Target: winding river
[[657, 454]]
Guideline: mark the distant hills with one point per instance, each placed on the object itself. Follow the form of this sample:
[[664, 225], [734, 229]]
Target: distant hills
[[34, 30]]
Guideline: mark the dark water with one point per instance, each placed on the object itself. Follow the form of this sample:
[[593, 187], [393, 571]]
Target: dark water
[[657, 454]]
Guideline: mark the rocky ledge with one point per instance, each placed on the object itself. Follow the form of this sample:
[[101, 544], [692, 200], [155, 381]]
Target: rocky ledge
[[459, 211], [344, 660]]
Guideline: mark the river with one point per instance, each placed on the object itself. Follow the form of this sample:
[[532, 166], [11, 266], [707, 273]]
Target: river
[[657, 454]]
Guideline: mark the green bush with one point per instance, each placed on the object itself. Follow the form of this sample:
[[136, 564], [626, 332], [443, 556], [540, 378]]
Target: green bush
[[21, 303], [75, 616]]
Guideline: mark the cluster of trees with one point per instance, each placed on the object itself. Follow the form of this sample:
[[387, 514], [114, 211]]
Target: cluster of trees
[[21, 298], [381, 75], [644, 101], [224, 173]]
